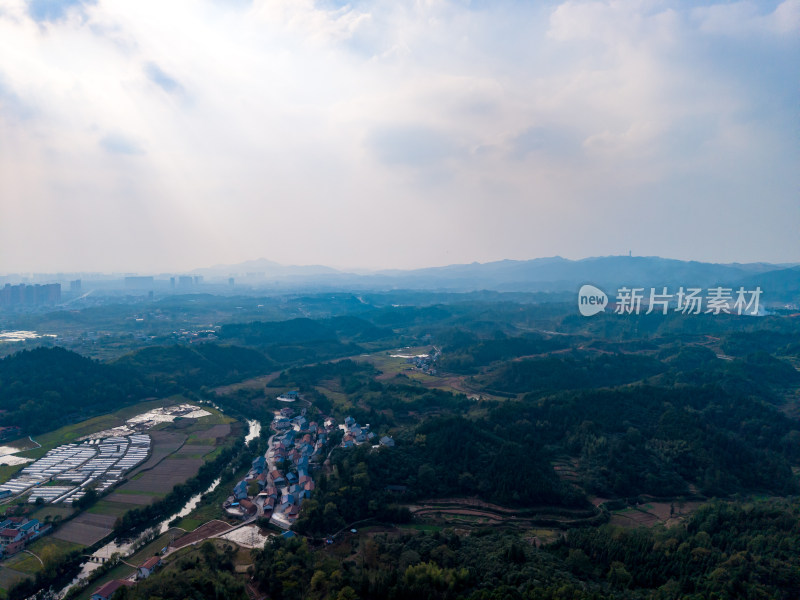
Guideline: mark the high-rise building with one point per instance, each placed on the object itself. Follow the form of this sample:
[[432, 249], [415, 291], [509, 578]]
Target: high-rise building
[[30, 295]]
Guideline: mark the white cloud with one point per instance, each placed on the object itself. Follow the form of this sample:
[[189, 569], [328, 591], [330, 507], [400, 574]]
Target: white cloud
[[747, 18], [307, 132]]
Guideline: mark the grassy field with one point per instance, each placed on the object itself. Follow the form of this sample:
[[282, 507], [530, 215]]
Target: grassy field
[[190, 524], [392, 365], [25, 563], [215, 418], [107, 507], [154, 547], [8, 471], [52, 511], [339, 399], [70, 433], [255, 383], [59, 545], [213, 454]]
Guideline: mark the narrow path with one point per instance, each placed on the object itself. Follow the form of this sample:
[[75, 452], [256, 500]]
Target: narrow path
[[350, 526], [34, 556]]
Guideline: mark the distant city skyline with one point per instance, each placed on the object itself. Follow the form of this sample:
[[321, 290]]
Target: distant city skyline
[[145, 137]]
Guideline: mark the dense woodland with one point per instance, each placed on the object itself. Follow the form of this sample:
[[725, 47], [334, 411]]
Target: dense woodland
[[177, 367], [653, 406], [725, 550], [45, 388]]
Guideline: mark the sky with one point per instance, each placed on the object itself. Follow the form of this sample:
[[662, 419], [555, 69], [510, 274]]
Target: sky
[[162, 136]]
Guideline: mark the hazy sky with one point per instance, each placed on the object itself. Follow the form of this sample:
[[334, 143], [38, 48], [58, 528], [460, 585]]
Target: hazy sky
[[156, 136]]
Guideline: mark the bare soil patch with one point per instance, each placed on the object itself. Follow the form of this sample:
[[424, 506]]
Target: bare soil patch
[[204, 531], [216, 431], [81, 532], [9, 577], [164, 444], [96, 519], [140, 499], [634, 518], [654, 513], [164, 476], [195, 449]]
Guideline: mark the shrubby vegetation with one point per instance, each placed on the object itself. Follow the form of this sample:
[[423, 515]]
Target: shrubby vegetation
[[724, 551]]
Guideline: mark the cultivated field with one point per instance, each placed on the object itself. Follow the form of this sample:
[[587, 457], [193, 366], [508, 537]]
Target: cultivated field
[[164, 476], [202, 532], [178, 450], [163, 443], [86, 529], [9, 577], [653, 513], [473, 512], [138, 499]]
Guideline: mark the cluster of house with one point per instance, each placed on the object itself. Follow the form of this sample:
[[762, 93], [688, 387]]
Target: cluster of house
[[143, 571], [289, 396], [425, 362], [355, 435], [279, 482], [16, 532], [283, 474]]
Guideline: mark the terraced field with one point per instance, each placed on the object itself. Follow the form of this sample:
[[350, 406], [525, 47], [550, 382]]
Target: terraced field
[[473, 512]]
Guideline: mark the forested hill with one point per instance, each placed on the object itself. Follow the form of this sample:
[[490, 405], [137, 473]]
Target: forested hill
[[45, 388], [175, 367]]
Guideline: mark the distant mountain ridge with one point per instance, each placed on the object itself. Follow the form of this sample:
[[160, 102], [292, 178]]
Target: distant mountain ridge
[[264, 268], [550, 274]]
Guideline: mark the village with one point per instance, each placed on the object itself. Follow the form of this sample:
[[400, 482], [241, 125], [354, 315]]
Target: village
[[279, 482]]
